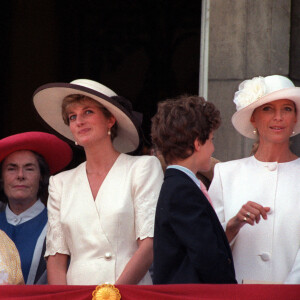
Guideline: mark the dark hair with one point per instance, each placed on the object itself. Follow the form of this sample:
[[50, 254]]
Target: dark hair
[[179, 122], [78, 98], [43, 184], [44, 180]]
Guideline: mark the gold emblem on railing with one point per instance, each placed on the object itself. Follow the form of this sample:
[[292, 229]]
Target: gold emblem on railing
[[106, 292]]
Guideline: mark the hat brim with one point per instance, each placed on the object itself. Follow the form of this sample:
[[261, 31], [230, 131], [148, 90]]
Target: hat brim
[[48, 98], [241, 119], [57, 153]]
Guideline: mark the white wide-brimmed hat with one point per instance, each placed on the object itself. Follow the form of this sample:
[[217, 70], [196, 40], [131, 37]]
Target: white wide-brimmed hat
[[48, 99], [257, 91]]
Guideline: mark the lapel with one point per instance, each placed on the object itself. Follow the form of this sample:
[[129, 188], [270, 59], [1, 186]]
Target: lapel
[[179, 175], [83, 191], [109, 200]]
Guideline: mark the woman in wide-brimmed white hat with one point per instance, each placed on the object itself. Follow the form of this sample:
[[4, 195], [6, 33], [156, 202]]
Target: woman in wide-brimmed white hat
[[256, 197], [101, 214]]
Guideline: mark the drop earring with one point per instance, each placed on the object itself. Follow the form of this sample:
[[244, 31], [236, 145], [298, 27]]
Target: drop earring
[[76, 143], [109, 132], [254, 131]]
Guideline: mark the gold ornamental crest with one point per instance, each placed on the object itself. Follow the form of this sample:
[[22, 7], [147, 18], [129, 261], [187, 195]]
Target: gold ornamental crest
[[106, 292]]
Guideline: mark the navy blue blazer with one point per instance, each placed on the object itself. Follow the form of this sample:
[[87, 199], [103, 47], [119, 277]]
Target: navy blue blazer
[[190, 245]]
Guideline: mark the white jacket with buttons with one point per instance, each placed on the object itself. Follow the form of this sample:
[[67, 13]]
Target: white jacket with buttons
[[270, 250], [101, 235]]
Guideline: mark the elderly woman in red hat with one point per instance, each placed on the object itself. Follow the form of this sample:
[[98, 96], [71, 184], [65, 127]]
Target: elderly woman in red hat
[[27, 159], [256, 197], [101, 214]]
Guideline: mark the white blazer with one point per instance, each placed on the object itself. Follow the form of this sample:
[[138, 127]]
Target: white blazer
[[268, 251], [101, 236]]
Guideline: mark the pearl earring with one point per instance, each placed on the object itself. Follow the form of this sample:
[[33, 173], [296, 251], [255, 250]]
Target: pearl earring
[[109, 132], [76, 143], [254, 131]]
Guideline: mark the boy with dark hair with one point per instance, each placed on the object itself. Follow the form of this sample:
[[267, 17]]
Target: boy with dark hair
[[190, 245]]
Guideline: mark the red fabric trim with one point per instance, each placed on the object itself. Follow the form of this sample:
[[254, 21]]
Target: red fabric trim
[[157, 292]]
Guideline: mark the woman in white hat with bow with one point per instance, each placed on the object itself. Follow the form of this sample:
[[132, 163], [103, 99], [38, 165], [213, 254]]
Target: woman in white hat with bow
[[101, 214], [257, 198]]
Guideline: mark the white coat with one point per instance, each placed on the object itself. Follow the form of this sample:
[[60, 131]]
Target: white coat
[[268, 251], [101, 236]]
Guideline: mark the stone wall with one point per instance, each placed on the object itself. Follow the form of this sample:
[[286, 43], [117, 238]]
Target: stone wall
[[295, 60]]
